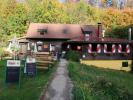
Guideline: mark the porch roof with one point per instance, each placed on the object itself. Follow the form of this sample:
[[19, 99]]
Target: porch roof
[[104, 40]]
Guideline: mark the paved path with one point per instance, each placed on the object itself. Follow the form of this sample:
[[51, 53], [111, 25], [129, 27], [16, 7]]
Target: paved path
[[61, 86]]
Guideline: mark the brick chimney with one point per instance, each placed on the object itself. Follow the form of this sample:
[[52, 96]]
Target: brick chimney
[[99, 31]]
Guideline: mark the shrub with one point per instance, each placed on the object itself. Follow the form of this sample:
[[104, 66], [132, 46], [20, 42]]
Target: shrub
[[119, 32], [72, 55], [91, 83], [108, 90]]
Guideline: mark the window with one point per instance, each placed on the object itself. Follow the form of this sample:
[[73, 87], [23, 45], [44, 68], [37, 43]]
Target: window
[[52, 48], [39, 42], [109, 47], [94, 47], [42, 31], [65, 31], [87, 32], [45, 46], [40, 48], [87, 35], [123, 47], [124, 64]]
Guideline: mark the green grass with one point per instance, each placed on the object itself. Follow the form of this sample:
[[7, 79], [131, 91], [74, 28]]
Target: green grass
[[30, 87], [91, 83]]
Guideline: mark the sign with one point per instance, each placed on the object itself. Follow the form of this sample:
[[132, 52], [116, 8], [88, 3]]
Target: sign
[[13, 63], [31, 66], [31, 69], [30, 60], [13, 71]]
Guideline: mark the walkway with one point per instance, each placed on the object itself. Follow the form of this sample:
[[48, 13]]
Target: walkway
[[61, 86]]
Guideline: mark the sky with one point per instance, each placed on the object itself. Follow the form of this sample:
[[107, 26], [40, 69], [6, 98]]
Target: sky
[[23, 0], [61, 1]]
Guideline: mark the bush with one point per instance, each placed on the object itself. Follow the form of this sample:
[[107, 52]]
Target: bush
[[91, 83], [104, 89], [120, 32], [72, 55]]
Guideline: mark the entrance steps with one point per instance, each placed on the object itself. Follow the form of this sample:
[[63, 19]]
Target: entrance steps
[[44, 60]]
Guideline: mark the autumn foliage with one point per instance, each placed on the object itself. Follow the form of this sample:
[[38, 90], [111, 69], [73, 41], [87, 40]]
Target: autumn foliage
[[16, 17], [117, 22]]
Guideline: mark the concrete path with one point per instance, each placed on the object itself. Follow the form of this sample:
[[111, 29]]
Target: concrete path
[[60, 87]]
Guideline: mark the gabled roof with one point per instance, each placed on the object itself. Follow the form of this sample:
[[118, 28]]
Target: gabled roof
[[58, 31], [54, 31], [71, 32], [114, 40], [21, 40]]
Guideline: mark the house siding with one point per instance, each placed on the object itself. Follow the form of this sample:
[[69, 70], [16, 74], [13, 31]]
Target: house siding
[[110, 64]]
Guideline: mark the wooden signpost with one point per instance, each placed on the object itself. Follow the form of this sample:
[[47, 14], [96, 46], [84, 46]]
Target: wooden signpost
[[13, 71], [31, 66]]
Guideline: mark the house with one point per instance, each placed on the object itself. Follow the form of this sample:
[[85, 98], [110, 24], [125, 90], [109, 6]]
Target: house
[[87, 40]]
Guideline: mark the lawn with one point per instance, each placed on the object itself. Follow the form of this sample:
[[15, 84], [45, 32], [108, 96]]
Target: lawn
[[92, 83], [30, 87]]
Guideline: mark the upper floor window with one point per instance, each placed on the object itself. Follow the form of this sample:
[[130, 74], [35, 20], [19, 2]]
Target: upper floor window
[[65, 31], [42, 31], [87, 32]]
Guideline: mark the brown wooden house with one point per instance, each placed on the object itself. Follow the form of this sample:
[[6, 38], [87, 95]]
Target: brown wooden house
[[87, 40]]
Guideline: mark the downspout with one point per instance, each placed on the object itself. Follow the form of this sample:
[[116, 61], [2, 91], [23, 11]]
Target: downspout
[[130, 38]]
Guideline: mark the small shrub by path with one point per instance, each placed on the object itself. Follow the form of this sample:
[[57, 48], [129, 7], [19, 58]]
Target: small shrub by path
[[30, 87], [72, 56], [91, 83]]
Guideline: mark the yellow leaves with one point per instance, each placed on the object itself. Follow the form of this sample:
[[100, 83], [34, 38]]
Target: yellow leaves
[[117, 17]]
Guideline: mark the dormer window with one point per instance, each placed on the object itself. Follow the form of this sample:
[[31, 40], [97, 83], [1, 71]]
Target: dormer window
[[42, 31], [87, 32], [87, 35], [65, 31]]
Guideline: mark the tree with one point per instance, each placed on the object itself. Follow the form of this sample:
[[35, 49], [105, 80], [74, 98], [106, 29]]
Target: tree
[[120, 4], [108, 3], [16, 22]]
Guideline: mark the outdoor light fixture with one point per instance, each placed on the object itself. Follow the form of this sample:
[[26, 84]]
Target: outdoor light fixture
[[78, 47], [83, 56], [103, 33]]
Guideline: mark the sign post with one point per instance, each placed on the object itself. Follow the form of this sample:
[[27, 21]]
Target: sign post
[[30, 68], [13, 71]]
